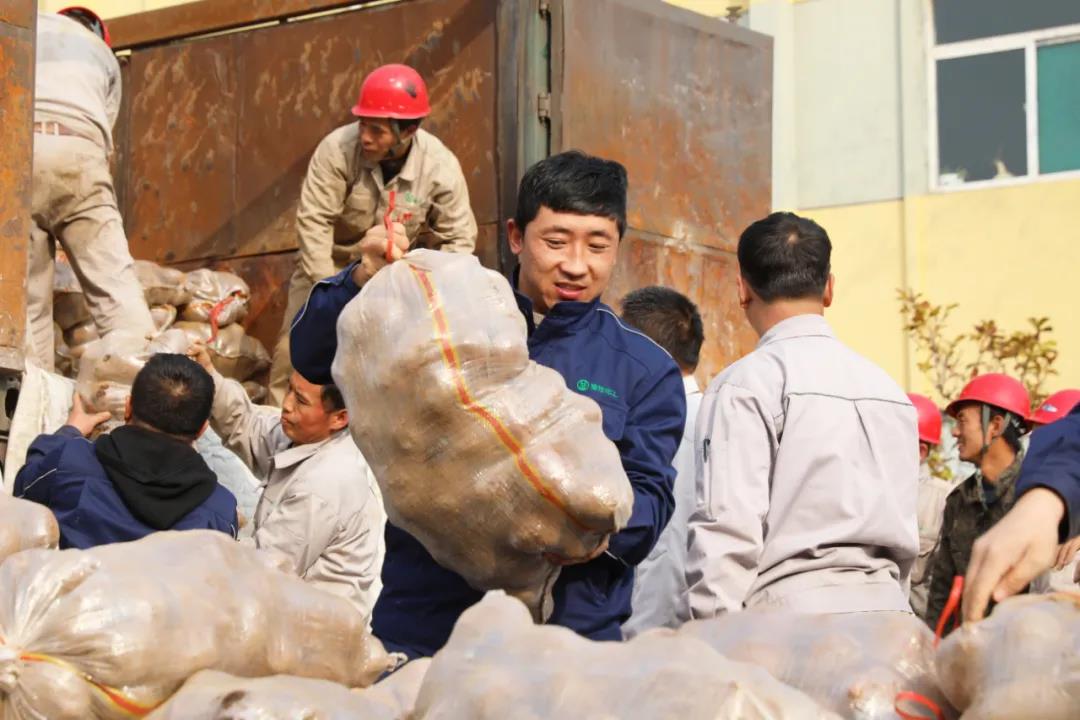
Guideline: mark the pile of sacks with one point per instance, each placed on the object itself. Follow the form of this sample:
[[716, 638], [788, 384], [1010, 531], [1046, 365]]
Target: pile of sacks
[[25, 525], [206, 305], [114, 631], [456, 421]]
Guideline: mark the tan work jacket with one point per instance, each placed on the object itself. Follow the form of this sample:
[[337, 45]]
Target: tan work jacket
[[77, 79], [320, 504], [806, 483], [344, 196]]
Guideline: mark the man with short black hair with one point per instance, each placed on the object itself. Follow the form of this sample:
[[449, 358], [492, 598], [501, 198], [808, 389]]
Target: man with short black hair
[[570, 218], [140, 478], [320, 506], [672, 320], [807, 489]]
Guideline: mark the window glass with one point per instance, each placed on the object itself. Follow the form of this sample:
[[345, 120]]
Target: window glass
[[1059, 107], [956, 20]]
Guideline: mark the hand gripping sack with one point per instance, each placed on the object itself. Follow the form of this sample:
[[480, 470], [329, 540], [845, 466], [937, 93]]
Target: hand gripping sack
[[482, 455], [235, 354], [499, 665], [25, 525], [1021, 662], [855, 664], [113, 631]]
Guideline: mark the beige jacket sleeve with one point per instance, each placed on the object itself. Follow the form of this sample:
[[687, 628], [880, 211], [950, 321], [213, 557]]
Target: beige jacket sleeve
[[451, 217], [322, 200], [297, 528], [253, 432], [114, 94], [726, 531]]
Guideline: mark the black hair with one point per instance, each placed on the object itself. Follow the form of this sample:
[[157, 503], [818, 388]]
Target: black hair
[[404, 126], [173, 394], [785, 256], [669, 318], [573, 182], [1015, 427], [331, 398]]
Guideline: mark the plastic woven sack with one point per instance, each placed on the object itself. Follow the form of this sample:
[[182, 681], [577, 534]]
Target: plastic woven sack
[[164, 316], [212, 695], [855, 664], [1021, 662], [25, 525], [499, 665], [69, 305], [108, 367], [256, 393], [77, 337], [481, 454], [215, 293], [162, 285], [234, 353], [113, 631]]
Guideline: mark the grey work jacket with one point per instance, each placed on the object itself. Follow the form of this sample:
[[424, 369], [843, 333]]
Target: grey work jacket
[[320, 504], [806, 492]]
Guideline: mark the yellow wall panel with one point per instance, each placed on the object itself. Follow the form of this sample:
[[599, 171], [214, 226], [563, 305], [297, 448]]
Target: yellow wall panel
[[111, 8]]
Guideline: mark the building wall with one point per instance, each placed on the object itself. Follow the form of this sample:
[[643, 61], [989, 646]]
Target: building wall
[[851, 150]]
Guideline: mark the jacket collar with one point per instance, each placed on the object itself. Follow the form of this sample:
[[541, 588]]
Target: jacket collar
[[690, 385], [563, 317], [972, 490], [810, 325], [296, 454]]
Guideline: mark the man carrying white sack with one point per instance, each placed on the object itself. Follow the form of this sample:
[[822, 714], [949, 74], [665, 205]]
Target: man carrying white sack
[[570, 217], [810, 467], [76, 102], [381, 173], [320, 506]]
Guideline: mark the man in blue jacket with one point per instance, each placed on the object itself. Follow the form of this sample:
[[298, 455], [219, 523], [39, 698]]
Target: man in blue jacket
[[570, 217], [1025, 542], [142, 477]]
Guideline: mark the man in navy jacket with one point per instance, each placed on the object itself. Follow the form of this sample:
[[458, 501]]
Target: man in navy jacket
[[1024, 543], [570, 218], [142, 477]]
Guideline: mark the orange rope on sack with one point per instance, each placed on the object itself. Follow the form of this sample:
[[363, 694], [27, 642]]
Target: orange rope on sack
[[951, 607], [469, 403], [113, 695], [918, 699], [215, 313]]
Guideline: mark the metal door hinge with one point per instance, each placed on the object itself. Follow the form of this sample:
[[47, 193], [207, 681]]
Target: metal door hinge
[[545, 8], [543, 106]]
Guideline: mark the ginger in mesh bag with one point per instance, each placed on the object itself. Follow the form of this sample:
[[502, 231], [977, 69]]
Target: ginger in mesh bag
[[216, 297], [498, 665], [111, 632], [482, 455], [162, 285], [1021, 662], [212, 695], [858, 665], [25, 525], [235, 354]]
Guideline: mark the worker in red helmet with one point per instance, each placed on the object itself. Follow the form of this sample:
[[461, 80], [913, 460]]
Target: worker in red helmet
[[1055, 407], [991, 415], [76, 103], [379, 180], [933, 491]]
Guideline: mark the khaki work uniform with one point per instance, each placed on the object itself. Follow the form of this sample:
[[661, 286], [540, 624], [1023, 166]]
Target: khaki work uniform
[[344, 196], [77, 98], [320, 504], [806, 492], [933, 492]]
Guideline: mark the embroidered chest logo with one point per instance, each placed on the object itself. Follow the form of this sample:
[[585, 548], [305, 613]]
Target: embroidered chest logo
[[584, 385]]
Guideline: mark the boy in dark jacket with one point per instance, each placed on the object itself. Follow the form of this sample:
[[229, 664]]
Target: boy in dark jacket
[[570, 218], [142, 477]]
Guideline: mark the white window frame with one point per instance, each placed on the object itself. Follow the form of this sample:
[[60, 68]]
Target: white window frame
[[1029, 42]]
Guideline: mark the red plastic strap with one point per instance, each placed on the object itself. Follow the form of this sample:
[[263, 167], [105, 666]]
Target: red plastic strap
[[950, 608], [917, 699], [388, 221], [215, 313]]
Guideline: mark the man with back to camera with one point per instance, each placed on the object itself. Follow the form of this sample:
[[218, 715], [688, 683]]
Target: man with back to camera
[[140, 478], [807, 490], [672, 320], [570, 218]]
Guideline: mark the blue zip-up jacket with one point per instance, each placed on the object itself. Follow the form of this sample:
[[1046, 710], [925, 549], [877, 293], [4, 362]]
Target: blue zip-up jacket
[[639, 390], [63, 473], [1053, 461]]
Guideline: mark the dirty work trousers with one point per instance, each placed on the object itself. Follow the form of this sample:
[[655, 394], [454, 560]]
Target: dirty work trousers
[[74, 203], [281, 367]]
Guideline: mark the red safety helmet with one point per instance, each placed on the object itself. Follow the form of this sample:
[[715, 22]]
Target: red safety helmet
[[88, 17], [393, 91], [929, 418], [998, 390], [1056, 407]]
